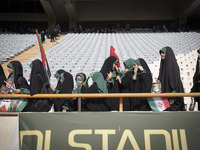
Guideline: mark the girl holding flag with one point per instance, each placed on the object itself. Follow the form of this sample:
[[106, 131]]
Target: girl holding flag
[[17, 84], [16, 77], [113, 83], [2, 76], [169, 76], [38, 83]]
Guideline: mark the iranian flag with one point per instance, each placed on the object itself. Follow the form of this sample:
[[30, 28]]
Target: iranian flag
[[112, 53], [158, 104], [43, 55]]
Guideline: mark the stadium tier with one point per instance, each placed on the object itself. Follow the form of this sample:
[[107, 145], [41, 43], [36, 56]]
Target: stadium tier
[[86, 52], [13, 44]]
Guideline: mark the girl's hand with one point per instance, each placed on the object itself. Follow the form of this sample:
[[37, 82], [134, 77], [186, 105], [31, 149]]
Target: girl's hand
[[126, 70], [141, 68], [171, 101], [64, 110], [110, 75], [17, 91], [135, 71], [119, 79]]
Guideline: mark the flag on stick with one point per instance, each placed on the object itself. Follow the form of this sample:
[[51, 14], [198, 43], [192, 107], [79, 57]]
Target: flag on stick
[[112, 53], [43, 55]]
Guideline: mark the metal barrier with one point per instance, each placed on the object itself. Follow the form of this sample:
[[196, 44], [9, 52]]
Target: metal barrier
[[102, 95]]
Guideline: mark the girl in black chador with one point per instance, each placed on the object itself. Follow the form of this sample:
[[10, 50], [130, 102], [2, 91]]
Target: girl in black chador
[[16, 78], [113, 83], [2, 77], [125, 81], [16, 83], [38, 82], [196, 80], [81, 86], [65, 85], [102, 81], [142, 83], [169, 76]]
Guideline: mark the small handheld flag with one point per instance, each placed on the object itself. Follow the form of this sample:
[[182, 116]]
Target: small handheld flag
[[158, 103], [112, 53]]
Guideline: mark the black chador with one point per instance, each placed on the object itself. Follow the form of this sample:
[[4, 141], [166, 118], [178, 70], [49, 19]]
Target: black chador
[[17, 76], [126, 82], [57, 75], [170, 79], [101, 85], [142, 83], [18, 83], [108, 66], [80, 88], [65, 85], [38, 81], [2, 77], [196, 80], [113, 84], [38, 77]]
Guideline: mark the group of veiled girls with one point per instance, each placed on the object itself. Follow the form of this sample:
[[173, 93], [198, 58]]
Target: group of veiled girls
[[135, 78]]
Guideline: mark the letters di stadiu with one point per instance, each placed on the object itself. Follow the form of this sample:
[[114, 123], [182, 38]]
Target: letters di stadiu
[[126, 135]]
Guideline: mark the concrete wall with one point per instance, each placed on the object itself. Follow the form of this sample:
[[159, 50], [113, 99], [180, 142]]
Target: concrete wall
[[7, 130], [29, 17], [126, 10]]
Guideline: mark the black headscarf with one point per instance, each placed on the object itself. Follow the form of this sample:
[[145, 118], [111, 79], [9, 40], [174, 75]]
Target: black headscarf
[[196, 76], [107, 66], [65, 86], [38, 77], [145, 66], [80, 89], [142, 84], [17, 72], [169, 74], [57, 74], [2, 77]]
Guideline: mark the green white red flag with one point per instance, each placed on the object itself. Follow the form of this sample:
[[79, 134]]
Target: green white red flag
[[158, 104], [43, 55]]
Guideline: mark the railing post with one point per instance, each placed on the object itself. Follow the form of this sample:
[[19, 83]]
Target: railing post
[[79, 104], [121, 104]]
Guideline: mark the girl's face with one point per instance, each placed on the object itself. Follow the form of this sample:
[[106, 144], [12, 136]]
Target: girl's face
[[198, 55], [10, 70], [79, 79], [57, 79], [162, 55], [125, 67], [114, 66]]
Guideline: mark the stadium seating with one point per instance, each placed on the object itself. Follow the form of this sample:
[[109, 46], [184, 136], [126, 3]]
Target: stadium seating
[[13, 44], [86, 52]]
